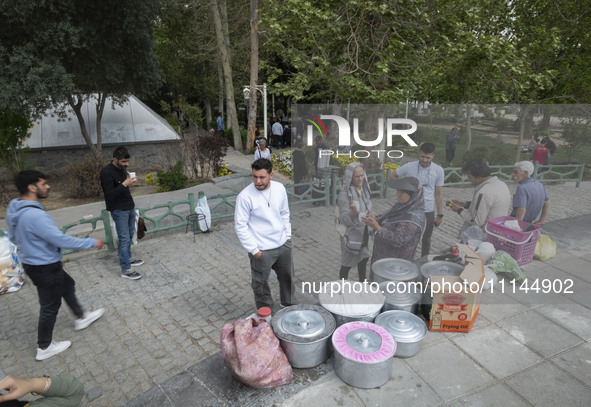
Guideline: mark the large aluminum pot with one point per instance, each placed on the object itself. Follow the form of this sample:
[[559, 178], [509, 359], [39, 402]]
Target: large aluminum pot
[[304, 331], [363, 354], [343, 319], [435, 268], [393, 269], [407, 329], [404, 296], [354, 301]]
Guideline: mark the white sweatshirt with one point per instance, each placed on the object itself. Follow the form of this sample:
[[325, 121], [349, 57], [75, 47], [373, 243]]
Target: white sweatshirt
[[261, 218]]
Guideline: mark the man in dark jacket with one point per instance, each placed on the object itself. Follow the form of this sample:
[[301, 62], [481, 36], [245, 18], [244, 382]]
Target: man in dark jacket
[[116, 183]]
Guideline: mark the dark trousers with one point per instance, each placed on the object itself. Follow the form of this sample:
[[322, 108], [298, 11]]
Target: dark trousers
[[450, 153], [53, 284], [426, 242], [361, 270], [280, 261]]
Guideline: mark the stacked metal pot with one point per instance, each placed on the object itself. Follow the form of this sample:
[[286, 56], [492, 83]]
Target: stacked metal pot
[[348, 306], [435, 268], [304, 332], [367, 328]]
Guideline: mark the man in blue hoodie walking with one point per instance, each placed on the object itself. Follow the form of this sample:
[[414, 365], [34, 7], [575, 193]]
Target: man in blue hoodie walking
[[39, 241]]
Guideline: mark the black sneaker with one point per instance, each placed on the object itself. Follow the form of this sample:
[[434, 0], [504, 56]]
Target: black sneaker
[[136, 262], [131, 275]]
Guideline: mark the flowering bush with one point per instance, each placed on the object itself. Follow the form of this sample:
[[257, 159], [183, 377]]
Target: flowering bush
[[283, 162], [345, 160], [223, 170], [150, 179], [389, 166]]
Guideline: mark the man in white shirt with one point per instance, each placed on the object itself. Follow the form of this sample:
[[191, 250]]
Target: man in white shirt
[[261, 221], [431, 177], [277, 133]]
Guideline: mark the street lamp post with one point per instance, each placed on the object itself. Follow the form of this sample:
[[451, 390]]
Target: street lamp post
[[263, 89]]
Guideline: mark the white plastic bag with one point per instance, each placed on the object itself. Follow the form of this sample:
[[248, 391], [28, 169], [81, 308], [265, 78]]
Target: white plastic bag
[[12, 275], [203, 209]]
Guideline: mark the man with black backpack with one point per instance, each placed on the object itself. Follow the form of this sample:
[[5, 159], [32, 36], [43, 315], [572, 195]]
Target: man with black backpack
[[39, 243]]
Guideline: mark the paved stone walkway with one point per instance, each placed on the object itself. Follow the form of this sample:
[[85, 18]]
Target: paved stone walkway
[[161, 327]]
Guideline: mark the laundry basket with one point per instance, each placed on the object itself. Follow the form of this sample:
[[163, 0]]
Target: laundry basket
[[520, 245]]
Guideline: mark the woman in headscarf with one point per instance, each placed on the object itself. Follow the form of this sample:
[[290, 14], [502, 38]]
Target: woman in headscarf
[[399, 230], [354, 204]]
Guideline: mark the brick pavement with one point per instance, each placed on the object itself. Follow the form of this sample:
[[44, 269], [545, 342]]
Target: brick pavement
[[159, 326]]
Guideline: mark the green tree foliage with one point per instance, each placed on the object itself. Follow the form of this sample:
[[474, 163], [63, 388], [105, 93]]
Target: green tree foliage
[[13, 132], [365, 51], [56, 51]]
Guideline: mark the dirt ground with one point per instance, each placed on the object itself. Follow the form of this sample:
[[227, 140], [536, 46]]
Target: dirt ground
[[61, 197]]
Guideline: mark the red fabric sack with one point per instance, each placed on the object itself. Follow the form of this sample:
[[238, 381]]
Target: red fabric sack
[[253, 354]]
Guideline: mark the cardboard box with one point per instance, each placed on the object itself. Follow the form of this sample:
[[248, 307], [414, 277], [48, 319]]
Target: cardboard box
[[456, 300]]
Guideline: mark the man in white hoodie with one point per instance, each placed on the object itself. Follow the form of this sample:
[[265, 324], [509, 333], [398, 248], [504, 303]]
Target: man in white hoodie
[[262, 224]]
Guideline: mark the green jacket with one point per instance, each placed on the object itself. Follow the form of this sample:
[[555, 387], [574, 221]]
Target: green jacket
[[65, 391]]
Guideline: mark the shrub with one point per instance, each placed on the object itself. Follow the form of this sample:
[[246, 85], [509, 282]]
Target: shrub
[[4, 196], [150, 179], [283, 162], [210, 152], [172, 180], [87, 183], [13, 132], [223, 171]]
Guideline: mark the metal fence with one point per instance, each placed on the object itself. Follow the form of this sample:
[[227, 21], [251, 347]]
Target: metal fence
[[318, 191]]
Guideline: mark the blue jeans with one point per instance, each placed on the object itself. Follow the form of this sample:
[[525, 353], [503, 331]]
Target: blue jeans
[[125, 226]]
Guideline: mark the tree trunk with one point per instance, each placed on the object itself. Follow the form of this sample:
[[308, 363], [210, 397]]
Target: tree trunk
[[216, 6], [100, 108], [208, 113], [76, 104], [221, 88], [468, 126], [254, 72], [545, 124], [523, 114]]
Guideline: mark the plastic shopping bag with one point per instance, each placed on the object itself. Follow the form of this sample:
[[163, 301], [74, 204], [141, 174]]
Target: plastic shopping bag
[[505, 266], [545, 248], [203, 210], [253, 354], [12, 275]]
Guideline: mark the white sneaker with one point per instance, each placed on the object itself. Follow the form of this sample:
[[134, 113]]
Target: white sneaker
[[53, 349], [88, 319]]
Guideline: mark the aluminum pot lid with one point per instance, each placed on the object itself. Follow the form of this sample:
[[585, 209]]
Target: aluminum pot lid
[[307, 313], [441, 268], [363, 342], [350, 302], [401, 293], [393, 269], [304, 323], [404, 326]]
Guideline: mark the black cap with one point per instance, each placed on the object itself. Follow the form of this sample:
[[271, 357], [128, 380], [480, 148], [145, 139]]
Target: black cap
[[402, 183]]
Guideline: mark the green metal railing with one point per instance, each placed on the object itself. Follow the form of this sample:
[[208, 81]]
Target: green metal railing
[[323, 191], [542, 173]]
